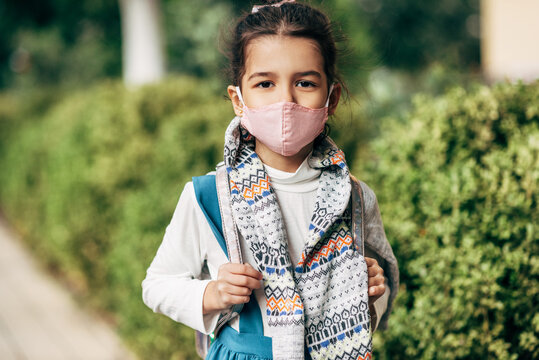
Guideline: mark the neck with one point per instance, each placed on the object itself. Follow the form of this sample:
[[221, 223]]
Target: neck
[[281, 162]]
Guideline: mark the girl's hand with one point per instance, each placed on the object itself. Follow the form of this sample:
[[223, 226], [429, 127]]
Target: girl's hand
[[234, 285], [377, 285]]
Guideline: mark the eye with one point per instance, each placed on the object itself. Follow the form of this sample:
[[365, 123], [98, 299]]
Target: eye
[[264, 84], [305, 84]]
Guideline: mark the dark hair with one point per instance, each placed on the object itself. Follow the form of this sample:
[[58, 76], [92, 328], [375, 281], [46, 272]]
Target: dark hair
[[289, 19]]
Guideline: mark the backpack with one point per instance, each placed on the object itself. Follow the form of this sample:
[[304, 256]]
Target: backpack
[[213, 196]]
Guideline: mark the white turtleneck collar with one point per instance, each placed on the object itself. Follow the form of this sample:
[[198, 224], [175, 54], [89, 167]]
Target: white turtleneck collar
[[305, 179]]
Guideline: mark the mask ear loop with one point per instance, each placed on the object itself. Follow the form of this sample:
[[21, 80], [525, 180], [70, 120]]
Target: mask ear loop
[[238, 92], [329, 94]]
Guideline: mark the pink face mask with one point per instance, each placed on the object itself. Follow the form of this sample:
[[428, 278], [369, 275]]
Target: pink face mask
[[284, 127]]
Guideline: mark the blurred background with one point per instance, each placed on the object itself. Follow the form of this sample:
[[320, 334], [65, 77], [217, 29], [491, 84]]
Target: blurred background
[[108, 107]]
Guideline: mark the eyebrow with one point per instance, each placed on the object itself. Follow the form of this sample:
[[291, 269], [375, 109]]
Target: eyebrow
[[303, 73], [260, 74], [307, 73]]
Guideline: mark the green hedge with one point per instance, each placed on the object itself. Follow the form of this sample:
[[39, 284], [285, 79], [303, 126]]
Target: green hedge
[[458, 187], [92, 181]]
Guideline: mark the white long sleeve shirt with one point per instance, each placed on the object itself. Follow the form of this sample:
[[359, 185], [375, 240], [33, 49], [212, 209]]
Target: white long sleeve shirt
[[174, 284]]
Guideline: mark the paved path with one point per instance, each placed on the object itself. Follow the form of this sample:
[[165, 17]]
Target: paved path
[[39, 320]]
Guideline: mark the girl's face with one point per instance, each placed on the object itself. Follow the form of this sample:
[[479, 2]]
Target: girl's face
[[284, 68]]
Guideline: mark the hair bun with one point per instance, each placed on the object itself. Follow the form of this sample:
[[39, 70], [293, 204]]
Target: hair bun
[[275, 3]]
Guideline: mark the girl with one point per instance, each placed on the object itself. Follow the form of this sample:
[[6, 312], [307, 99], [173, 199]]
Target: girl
[[307, 289]]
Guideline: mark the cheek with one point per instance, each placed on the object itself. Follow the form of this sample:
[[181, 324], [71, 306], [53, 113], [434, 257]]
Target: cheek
[[266, 99], [314, 100]]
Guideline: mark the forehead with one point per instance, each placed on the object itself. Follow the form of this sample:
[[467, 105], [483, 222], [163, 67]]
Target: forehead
[[281, 54]]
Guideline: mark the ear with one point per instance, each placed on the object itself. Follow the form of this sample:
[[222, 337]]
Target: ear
[[236, 102], [334, 98]]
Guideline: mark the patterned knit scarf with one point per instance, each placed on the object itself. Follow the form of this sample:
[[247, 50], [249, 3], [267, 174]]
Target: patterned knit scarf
[[320, 303]]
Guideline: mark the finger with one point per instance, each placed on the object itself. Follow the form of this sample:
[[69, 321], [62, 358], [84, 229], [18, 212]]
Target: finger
[[243, 281], [375, 271], [234, 299], [244, 269], [377, 290], [376, 280], [237, 290], [375, 285], [370, 261], [251, 270]]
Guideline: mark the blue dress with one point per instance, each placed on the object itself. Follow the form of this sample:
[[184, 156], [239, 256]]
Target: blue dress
[[247, 344]]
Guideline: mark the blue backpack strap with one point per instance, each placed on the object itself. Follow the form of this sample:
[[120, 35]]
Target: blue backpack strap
[[206, 195]]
